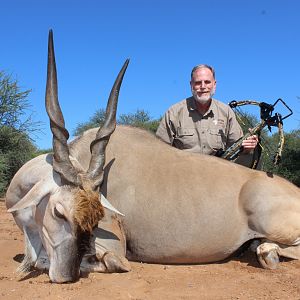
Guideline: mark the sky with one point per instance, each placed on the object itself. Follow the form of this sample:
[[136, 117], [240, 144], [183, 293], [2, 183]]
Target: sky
[[254, 46]]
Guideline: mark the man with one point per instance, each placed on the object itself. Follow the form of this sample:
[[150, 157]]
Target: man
[[200, 123]]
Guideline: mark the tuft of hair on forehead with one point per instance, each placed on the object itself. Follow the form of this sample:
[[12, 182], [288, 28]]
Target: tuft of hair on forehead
[[88, 209], [203, 66]]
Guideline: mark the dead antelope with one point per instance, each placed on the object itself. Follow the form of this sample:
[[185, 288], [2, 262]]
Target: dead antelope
[[179, 207]]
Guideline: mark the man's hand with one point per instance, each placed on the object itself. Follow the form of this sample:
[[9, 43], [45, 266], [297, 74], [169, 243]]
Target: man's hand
[[250, 143]]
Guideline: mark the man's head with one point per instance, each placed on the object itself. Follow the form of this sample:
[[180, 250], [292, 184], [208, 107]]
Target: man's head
[[203, 83]]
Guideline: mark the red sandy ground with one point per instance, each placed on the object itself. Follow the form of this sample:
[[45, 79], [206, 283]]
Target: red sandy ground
[[238, 278]]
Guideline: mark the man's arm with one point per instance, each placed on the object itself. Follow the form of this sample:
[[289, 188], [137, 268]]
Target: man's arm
[[234, 130], [166, 130], [250, 143]]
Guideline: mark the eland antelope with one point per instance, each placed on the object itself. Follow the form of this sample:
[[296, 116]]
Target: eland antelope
[[179, 207]]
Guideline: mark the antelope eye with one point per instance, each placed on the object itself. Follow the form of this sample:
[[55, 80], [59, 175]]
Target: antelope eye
[[58, 214]]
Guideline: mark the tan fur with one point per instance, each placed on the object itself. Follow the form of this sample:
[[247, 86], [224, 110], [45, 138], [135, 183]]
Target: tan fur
[[183, 207], [179, 207], [88, 210]]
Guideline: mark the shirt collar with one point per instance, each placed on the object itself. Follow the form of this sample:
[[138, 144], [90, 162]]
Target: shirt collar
[[191, 104]]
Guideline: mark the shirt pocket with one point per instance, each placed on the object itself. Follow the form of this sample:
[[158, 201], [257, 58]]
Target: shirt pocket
[[216, 138], [185, 138]]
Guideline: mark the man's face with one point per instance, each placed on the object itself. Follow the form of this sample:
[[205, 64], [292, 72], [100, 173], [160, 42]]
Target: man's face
[[203, 85]]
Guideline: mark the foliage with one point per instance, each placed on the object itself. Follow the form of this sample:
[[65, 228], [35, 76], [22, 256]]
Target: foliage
[[16, 147], [3, 176], [289, 166], [42, 151], [247, 121], [14, 105], [140, 118], [97, 120]]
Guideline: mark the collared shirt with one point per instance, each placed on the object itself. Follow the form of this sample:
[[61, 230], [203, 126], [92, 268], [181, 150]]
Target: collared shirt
[[184, 127]]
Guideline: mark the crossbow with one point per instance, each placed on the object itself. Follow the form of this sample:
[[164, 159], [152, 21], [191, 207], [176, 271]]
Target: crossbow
[[267, 120]]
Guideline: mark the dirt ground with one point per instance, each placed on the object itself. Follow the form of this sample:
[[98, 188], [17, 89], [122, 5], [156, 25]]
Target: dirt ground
[[237, 278]]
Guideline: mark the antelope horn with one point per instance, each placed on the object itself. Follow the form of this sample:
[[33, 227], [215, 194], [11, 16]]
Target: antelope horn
[[98, 146], [61, 161]]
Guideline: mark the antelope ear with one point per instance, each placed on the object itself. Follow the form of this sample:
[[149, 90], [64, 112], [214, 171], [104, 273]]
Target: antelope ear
[[33, 197], [106, 204]]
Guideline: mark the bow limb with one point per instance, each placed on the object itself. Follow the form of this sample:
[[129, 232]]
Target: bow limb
[[278, 154], [235, 103]]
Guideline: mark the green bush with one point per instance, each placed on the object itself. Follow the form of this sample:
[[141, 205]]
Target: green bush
[[16, 148], [289, 167], [139, 118]]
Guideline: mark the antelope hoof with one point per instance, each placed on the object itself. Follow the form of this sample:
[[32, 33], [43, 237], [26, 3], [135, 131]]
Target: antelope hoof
[[267, 256], [42, 264], [115, 263]]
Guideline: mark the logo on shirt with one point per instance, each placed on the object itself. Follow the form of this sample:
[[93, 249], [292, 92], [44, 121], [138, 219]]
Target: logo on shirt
[[218, 122]]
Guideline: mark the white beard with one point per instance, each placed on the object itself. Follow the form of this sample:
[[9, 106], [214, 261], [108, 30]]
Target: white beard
[[203, 99]]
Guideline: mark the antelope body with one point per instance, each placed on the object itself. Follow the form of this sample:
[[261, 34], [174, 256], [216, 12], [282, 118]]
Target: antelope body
[[179, 207]]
